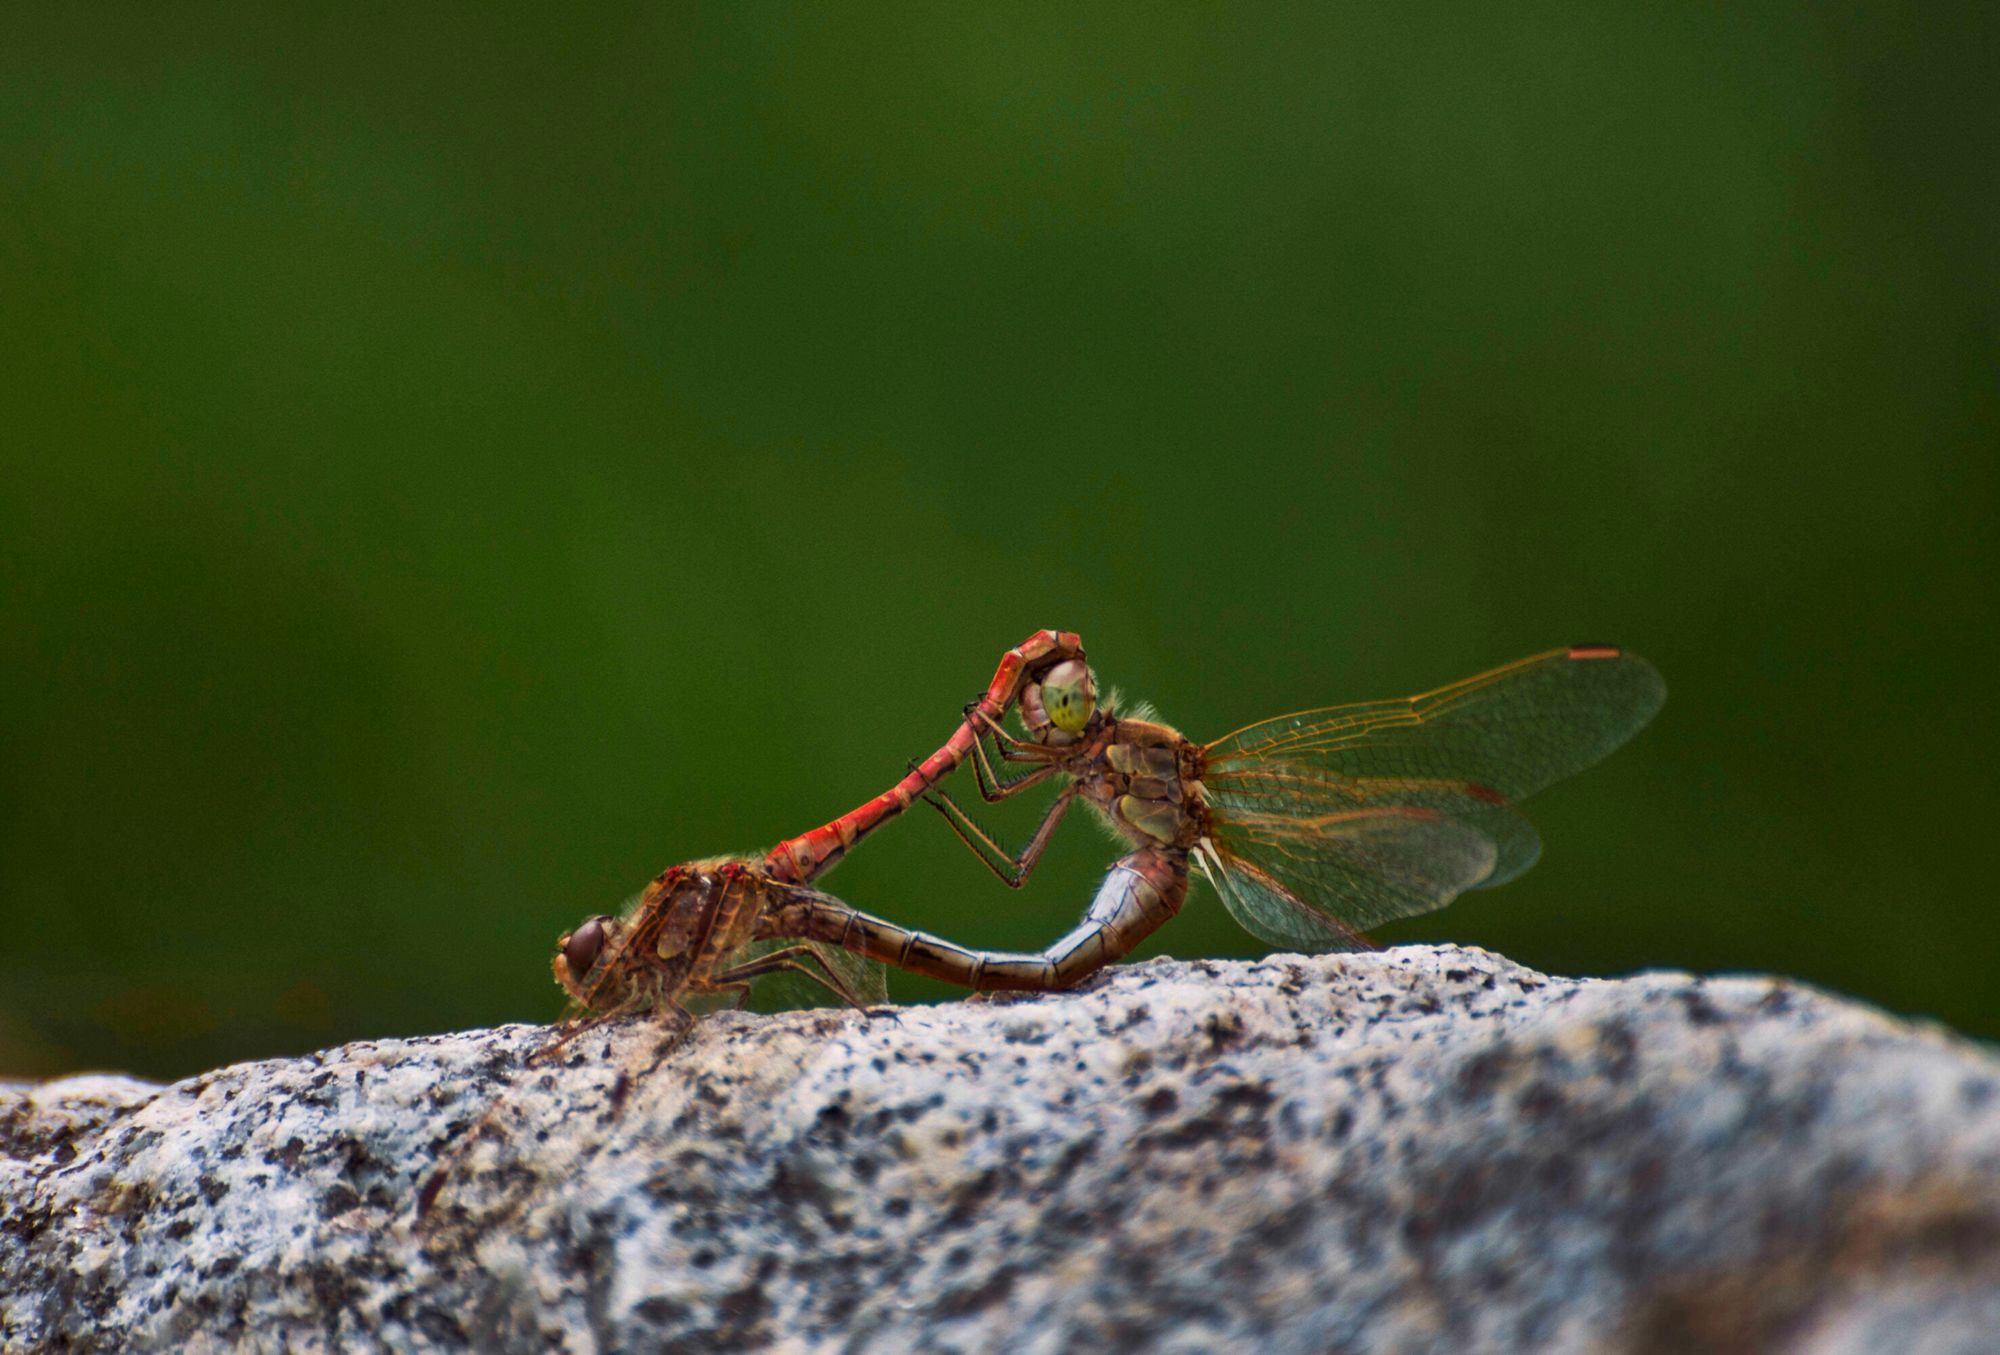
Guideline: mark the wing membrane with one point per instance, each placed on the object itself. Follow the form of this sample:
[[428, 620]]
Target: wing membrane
[[1330, 821], [1514, 729], [1367, 868], [866, 979]]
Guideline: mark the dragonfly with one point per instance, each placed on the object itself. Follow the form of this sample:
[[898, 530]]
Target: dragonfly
[[702, 932], [697, 932], [686, 942], [698, 936], [1313, 827]]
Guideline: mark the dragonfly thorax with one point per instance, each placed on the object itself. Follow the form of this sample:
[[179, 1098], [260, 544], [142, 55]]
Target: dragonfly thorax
[[1142, 776]]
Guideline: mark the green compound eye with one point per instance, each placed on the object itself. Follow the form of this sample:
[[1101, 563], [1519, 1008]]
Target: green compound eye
[[1069, 696]]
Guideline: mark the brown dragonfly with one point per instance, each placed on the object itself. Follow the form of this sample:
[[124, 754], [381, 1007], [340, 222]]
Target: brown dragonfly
[[710, 928], [1312, 827], [699, 935], [696, 937], [702, 932]]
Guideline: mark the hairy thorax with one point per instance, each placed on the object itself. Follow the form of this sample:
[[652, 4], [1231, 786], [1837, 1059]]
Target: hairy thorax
[[1147, 783]]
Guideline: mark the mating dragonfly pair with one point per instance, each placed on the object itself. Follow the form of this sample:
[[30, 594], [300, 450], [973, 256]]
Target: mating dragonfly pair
[[1312, 827]]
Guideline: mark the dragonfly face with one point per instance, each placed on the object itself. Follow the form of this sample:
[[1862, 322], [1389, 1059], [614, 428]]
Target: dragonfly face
[[578, 954], [581, 947], [1058, 706]]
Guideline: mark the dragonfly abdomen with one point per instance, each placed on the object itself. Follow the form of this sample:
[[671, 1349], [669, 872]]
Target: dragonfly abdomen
[[1140, 892]]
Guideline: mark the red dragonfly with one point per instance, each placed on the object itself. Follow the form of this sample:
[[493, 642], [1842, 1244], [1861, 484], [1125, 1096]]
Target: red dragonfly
[[1312, 827]]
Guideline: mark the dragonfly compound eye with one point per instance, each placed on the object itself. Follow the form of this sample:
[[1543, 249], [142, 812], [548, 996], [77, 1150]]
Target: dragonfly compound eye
[[1069, 696], [582, 946]]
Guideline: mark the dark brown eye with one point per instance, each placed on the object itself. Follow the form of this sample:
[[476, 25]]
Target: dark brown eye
[[581, 946]]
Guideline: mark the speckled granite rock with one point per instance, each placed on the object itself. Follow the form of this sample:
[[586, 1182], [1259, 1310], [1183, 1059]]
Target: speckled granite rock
[[1422, 1149]]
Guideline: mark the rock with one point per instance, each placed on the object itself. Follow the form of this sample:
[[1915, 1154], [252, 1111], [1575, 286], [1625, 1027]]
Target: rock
[[1421, 1149]]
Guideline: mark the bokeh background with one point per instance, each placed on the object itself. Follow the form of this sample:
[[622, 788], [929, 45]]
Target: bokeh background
[[456, 462]]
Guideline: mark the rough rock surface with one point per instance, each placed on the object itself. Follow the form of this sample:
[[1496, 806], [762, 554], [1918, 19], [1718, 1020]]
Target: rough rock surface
[[1421, 1149]]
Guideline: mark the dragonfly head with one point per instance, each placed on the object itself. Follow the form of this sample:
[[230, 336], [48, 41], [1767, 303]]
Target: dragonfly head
[[648, 956], [577, 957], [1058, 706]]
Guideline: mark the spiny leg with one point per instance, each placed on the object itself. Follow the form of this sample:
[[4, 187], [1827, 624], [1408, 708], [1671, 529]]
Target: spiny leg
[[580, 1026], [1012, 869], [993, 786], [1013, 748], [789, 960]]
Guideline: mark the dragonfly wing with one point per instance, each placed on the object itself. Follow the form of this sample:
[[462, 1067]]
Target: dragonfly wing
[[1319, 887], [865, 979], [1511, 731], [1283, 807], [1330, 821]]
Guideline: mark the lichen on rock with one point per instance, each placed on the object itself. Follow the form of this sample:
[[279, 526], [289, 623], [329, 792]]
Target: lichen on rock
[[1418, 1149]]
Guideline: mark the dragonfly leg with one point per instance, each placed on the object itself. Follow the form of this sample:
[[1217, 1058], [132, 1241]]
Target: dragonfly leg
[[581, 1026], [1012, 747], [1012, 869], [1140, 892], [790, 959], [993, 786]]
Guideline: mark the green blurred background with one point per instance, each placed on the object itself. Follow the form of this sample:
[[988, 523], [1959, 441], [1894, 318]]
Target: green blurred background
[[457, 463]]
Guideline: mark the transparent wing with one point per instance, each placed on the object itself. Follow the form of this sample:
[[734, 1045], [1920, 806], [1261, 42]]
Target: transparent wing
[[866, 980], [1512, 730], [1331, 821], [1317, 886], [1301, 805]]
